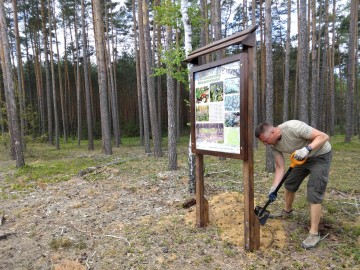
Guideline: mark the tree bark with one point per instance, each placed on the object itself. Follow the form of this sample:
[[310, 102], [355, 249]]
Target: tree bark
[[13, 122], [47, 76], [138, 76], [100, 56], [144, 94], [287, 65], [254, 72], [86, 81], [20, 74], [349, 131], [270, 167], [61, 85], [188, 49], [56, 116], [172, 156], [150, 83], [314, 70], [78, 79], [303, 64]]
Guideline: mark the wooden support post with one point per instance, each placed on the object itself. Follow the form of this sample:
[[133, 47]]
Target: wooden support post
[[202, 206], [251, 222]]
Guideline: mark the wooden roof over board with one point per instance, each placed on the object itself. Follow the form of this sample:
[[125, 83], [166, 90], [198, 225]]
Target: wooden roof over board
[[245, 37]]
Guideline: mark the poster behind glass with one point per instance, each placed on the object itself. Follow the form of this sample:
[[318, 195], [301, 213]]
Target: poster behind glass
[[217, 108]]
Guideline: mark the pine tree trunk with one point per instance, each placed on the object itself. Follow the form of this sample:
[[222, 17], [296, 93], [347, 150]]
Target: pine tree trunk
[[349, 131], [332, 79], [287, 65], [13, 123], [144, 94], [78, 79], [47, 76], [262, 106], [66, 76], [314, 70], [150, 83], [303, 64], [100, 56], [61, 85], [138, 77], [20, 75], [56, 116], [269, 80], [113, 99], [172, 156], [254, 72], [86, 81]]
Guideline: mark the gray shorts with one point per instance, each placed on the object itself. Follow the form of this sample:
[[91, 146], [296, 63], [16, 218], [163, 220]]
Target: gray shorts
[[318, 168]]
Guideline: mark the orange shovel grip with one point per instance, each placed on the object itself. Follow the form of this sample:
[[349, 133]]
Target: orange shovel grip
[[295, 162]]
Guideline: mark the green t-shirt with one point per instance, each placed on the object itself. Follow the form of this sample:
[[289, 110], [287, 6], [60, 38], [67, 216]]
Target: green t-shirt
[[295, 135]]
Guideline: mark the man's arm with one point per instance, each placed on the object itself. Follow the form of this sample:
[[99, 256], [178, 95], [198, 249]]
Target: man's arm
[[318, 138], [279, 169]]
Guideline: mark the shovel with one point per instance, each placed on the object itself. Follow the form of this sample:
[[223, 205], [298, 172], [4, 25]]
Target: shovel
[[261, 212]]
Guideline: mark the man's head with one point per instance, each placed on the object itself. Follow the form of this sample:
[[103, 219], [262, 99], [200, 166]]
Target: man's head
[[267, 133]]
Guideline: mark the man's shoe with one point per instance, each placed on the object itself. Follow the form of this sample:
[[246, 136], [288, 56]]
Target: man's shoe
[[282, 214], [311, 241]]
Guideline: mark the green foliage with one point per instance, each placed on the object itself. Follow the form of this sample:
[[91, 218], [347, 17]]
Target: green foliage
[[172, 64], [168, 13]]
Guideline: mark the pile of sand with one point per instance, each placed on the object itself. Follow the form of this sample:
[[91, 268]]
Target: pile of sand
[[226, 213]]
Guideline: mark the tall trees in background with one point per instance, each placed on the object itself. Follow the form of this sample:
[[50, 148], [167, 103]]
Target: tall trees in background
[[67, 77], [20, 74], [89, 119], [54, 93], [100, 56], [143, 79], [287, 64], [351, 69], [269, 79], [47, 74], [314, 71], [150, 80], [303, 64], [12, 114]]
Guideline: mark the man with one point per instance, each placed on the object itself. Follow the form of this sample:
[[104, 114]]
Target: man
[[307, 143]]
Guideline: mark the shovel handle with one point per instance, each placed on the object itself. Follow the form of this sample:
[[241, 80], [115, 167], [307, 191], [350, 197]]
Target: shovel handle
[[294, 163]]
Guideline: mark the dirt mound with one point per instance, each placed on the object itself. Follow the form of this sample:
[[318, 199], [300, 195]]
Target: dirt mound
[[226, 213]]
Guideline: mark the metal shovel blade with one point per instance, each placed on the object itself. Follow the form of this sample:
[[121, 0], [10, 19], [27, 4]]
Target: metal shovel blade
[[262, 214]]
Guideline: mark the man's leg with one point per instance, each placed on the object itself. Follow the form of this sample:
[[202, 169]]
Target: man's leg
[[289, 199], [314, 237], [315, 215]]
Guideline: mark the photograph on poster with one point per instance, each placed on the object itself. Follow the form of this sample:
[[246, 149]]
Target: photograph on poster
[[209, 133], [232, 86], [202, 113], [202, 94], [232, 119], [216, 92], [217, 108], [232, 103], [231, 137]]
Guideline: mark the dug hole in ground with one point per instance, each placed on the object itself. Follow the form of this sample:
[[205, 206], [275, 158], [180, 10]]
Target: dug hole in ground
[[226, 211]]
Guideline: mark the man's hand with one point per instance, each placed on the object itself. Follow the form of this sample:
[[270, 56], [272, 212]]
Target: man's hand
[[272, 194], [301, 154]]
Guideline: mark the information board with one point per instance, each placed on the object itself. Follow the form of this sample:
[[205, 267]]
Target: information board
[[217, 110]]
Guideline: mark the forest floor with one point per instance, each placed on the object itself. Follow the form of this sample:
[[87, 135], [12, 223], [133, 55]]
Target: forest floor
[[125, 212]]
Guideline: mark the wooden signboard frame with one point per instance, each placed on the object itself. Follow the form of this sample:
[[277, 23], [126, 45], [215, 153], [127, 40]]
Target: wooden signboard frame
[[216, 109], [247, 39]]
